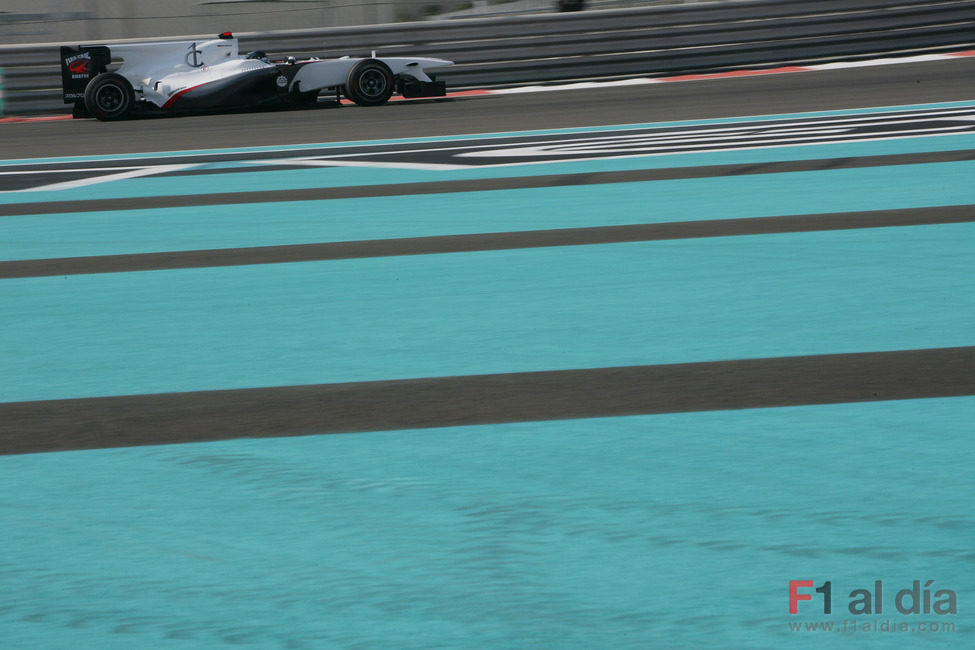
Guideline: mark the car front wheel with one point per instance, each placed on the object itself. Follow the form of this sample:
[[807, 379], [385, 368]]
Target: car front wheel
[[370, 83]]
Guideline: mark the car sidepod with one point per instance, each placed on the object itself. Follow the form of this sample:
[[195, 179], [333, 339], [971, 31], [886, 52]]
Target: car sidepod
[[252, 88]]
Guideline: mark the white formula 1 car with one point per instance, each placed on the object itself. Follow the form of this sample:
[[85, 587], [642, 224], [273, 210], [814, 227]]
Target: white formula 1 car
[[205, 76]]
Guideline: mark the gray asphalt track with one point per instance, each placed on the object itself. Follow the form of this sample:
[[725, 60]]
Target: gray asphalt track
[[891, 85], [483, 399]]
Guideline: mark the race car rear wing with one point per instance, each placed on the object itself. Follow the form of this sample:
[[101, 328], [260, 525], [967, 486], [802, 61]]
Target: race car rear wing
[[79, 66]]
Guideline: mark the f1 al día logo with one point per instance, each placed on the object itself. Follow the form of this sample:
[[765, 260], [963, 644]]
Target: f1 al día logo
[[919, 598]]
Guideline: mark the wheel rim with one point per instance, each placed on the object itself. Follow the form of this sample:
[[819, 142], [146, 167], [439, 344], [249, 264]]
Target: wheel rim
[[109, 98], [373, 83]]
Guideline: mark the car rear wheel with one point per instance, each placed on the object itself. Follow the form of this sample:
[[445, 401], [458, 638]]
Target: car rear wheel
[[370, 83], [109, 96]]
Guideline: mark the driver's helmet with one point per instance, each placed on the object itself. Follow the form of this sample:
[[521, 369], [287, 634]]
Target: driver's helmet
[[258, 54]]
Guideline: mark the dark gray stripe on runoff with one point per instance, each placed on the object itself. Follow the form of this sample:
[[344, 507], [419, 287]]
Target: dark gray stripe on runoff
[[483, 242], [472, 185], [28, 427]]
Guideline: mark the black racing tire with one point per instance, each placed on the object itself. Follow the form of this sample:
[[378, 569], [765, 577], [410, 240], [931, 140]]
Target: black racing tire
[[109, 96], [370, 83]]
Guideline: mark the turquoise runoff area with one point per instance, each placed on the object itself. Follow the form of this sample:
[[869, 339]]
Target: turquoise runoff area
[[300, 178], [299, 222], [677, 530], [668, 531], [490, 312]]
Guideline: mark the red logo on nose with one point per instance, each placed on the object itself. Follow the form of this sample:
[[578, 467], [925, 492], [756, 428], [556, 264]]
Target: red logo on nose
[[79, 67]]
